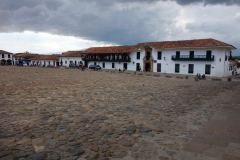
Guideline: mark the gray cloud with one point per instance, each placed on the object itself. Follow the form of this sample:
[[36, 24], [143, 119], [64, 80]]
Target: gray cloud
[[181, 2], [208, 2], [121, 25], [14, 5], [122, 22]]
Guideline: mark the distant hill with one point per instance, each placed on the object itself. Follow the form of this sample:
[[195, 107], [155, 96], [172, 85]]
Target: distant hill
[[54, 53], [60, 52]]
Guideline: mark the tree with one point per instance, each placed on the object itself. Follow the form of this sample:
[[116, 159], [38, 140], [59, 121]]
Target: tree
[[230, 57]]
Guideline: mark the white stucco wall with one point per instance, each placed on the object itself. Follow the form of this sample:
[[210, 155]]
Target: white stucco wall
[[41, 62], [6, 57], [219, 67], [66, 60], [108, 65]]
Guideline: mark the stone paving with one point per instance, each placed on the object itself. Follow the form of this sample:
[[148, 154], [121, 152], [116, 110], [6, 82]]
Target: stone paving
[[220, 137], [69, 114]]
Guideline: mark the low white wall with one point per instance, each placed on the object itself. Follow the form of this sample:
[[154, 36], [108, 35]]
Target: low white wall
[[66, 60], [42, 62]]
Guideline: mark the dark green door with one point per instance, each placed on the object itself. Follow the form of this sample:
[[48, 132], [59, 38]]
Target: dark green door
[[209, 54], [190, 68], [125, 66], [208, 69], [178, 54], [191, 54], [177, 68], [159, 67], [148, 67]]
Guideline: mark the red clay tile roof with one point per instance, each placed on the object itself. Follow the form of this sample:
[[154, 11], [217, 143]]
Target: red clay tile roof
[[46, 57], [233, 61], [15, 54], [4, 52], [160, 45], [71, 54], [185, 43], [25, 55], [111, 49]]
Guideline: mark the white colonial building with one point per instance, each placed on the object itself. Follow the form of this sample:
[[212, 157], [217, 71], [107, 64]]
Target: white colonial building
[[203, 56], [5, 58], [45, 60], [70, 57], [21, 58]]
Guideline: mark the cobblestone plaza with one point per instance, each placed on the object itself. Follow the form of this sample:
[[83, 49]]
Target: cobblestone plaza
[[54, 113]]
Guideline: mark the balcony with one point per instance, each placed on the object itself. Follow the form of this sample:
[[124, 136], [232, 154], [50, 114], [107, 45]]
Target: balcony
[[193, 58], [106, 60]]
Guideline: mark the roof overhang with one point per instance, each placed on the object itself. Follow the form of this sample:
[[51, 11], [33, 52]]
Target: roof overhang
[[107, 53], [230, 47], [69, 56], [44, 59]]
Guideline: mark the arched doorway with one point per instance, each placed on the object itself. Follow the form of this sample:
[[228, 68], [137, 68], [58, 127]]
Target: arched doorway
[[3, 62], [148, 67], [9, 62], [148, 60]]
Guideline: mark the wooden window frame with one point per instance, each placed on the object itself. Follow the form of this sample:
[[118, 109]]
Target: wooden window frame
[[159, 57], [138, 57]]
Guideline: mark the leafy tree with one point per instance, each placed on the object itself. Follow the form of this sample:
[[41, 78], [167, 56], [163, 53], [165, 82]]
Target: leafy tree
[[231, 57]]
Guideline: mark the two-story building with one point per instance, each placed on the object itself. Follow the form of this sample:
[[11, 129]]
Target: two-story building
[[203, 56], [70, 57], [21, 58], [5, 57], [113, 57]]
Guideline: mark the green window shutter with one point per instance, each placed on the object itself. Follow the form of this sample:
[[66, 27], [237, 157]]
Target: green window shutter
[[138, 55], [159, 55]]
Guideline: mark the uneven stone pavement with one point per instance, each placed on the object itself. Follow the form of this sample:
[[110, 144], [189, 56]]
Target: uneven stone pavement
[[49, 113], [220, 137]]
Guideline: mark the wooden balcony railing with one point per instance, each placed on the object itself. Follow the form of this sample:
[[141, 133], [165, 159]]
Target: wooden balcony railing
[[107, 60], [193, 58]]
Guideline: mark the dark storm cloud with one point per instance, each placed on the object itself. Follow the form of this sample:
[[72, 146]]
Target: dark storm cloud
[[181, 2], [14, 5], [208, 2], [115, 21], [120, 23]]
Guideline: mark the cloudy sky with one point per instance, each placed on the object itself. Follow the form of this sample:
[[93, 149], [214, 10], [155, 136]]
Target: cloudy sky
[[44, 26]]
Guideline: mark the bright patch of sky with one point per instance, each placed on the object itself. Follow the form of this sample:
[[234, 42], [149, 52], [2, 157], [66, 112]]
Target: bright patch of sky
[[43, 43]]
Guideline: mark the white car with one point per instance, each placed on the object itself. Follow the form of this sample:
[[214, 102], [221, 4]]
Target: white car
[[25, 64]]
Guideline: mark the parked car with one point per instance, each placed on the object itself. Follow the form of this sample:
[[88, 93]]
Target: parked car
[[50, 65], [72, 65], [94, 67]]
